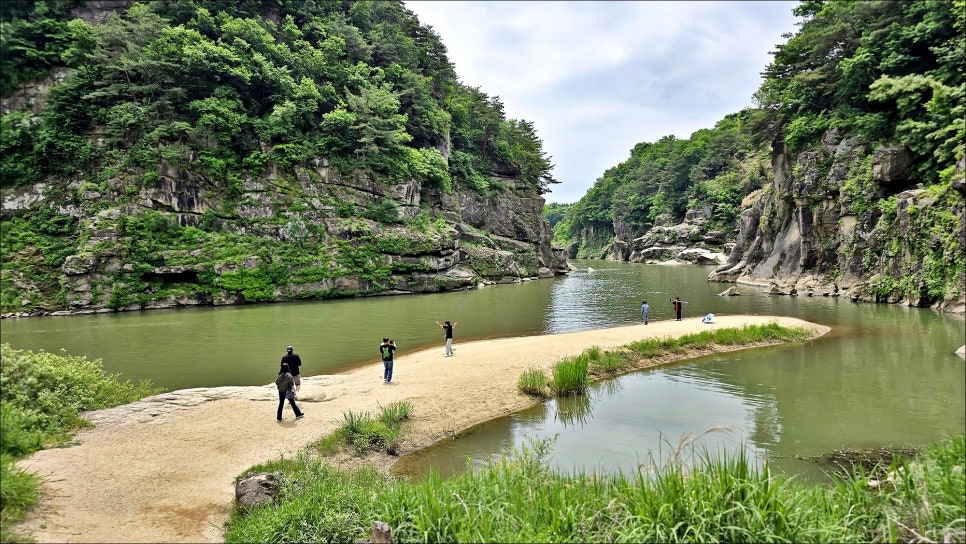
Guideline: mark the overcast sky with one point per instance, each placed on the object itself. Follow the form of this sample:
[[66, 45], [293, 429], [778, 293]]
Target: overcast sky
[[598, 77]]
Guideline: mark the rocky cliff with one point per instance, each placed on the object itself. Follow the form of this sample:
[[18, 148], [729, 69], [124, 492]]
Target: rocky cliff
[[689, 241], [846, 220], [164, 213], [417, 241]]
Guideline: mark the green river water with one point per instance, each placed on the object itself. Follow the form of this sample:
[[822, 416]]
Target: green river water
[[885, 376]]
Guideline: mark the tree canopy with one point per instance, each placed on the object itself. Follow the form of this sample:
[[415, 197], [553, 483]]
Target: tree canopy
[[236, 83]]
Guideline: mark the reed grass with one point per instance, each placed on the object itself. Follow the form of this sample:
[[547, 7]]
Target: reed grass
[[570, 376], [691, 496], [362, 432], [533, 382]]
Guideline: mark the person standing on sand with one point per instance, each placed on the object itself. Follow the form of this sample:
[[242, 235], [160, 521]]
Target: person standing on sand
[[385, 349], [677, 307], [645, 311], [448, 335], [294, 362], [285, 383]]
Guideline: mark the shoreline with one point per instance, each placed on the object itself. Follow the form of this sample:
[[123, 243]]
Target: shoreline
[[169, 461]]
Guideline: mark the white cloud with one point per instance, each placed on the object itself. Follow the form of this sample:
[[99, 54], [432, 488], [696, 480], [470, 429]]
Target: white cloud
[[598, 77]]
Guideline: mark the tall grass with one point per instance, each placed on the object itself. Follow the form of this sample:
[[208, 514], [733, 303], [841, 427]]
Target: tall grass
[[519, 498], [533, 382], [571, 375], [363, 433], [41, 398]]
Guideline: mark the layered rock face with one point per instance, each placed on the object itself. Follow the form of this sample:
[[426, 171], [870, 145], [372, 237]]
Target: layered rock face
[[844, 221], [477, 240], [689, 241]]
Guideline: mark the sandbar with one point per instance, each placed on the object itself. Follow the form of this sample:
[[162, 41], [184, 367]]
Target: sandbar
[[162, 469]]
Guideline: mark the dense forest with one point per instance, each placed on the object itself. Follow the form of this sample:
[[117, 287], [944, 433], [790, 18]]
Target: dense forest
[[880, 81], [105, 101], [359, 82]]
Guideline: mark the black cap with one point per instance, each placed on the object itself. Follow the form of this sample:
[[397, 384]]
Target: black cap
[[385, 339]]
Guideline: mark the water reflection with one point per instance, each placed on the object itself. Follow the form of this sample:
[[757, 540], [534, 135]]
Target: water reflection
[[572, 411], [885, 376]]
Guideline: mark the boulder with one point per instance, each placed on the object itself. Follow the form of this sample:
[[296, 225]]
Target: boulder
[[256, 489], [729, 292]]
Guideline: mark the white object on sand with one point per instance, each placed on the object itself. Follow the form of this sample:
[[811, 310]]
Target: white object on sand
[[707, 318]]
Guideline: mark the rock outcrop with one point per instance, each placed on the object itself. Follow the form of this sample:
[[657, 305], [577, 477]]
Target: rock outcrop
[[497, 239], [845, 220], [689, 241]]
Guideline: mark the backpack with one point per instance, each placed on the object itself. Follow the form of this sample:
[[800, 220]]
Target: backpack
[[281, 383]]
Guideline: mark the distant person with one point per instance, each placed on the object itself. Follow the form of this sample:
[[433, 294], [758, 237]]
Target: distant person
[[294, 362], [285, 383], [448, 335], [677, 307], [645, 311], [385, 349]]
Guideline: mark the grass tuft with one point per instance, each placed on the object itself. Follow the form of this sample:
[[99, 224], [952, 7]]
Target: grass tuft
[[570, 376], [533, 382]]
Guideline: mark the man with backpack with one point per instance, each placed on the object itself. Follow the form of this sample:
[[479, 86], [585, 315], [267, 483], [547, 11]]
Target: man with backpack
[[385, 349]]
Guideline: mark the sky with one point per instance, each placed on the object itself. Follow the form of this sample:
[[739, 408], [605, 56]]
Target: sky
[[598, 77]]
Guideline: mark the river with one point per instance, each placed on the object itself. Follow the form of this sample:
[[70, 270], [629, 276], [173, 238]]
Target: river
[[885, 376]]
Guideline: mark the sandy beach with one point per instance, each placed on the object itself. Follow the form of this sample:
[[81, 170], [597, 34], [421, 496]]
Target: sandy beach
[[162, 469]]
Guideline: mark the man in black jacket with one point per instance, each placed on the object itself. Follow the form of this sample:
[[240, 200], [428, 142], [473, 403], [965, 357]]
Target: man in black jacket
[[294, 362]]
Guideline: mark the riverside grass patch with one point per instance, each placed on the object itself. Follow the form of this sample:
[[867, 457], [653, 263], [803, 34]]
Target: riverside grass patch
[[362, 433], [691, 497], [41, 398], [571, 375]]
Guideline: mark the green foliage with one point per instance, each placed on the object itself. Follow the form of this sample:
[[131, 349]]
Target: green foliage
[[569, 376], [688, 496], [19, 492], [41, 244], [889, 71], [858, 189], [41, 398], [163, 82], [533, 382], [52, 390], [668, 176], [429, 166], [363, 433]]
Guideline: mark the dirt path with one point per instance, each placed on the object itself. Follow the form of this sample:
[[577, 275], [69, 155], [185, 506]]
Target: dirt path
[[162, 469]]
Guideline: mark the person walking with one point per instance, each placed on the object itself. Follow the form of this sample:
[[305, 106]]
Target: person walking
[[385, 349], [645, 311], [285, 383], [448, 335], [677, 307], [294, 362]]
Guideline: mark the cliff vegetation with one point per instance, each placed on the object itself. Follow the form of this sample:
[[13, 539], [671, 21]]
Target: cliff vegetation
[[846, 178], [179, 153]]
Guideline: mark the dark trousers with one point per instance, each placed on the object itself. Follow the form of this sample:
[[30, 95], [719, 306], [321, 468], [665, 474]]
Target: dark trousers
[[678, 312], [281, 404], [387, 373]]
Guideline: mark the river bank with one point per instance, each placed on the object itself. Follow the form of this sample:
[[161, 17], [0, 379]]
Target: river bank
[[162, 469]]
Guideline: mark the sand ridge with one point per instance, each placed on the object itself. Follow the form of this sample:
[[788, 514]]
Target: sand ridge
[[162, 469]]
